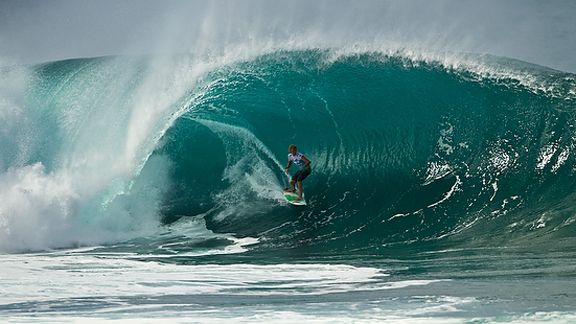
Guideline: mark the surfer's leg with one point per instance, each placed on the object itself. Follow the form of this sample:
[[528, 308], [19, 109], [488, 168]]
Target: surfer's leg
[[295, 178], [300, 190], [292, 184]]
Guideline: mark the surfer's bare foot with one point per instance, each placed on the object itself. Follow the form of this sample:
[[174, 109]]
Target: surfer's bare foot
[[298, 198], [289, 189]]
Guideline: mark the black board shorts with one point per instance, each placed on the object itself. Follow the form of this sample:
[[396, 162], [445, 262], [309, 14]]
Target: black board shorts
[[301, 174]]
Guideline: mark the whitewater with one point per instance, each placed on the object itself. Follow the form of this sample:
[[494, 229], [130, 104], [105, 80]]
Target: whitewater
[[148, 188]]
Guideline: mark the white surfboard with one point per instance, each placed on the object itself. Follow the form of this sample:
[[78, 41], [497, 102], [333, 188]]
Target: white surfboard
[[291, 199]]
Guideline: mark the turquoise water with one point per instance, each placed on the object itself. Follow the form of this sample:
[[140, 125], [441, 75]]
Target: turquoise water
[[441, 190]]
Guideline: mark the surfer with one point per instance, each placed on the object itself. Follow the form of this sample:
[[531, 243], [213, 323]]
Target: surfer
[[302, 161]]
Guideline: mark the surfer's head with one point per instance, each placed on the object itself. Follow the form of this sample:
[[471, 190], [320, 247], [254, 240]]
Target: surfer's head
[[292, 149]]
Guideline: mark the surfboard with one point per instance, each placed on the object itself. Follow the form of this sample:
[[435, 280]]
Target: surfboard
[[291, 199]]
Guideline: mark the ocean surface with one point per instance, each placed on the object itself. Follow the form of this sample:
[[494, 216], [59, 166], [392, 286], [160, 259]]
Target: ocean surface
[[147, 189]]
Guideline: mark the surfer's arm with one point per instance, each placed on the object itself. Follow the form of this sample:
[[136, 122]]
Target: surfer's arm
[[288, 166], [306, 161]]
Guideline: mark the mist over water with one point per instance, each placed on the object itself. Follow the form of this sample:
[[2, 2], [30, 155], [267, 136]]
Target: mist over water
[[534, 31]]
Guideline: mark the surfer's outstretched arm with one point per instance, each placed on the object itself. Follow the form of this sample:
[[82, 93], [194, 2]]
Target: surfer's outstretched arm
[[292, 183], [288, 166]]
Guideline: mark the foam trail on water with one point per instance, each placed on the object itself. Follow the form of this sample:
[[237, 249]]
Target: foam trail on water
[[244, 151]]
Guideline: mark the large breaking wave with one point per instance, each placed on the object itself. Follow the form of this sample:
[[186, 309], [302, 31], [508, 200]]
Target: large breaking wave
[[405, 149]]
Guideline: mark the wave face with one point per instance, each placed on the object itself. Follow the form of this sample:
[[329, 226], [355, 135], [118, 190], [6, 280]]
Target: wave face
[[405, 150]]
